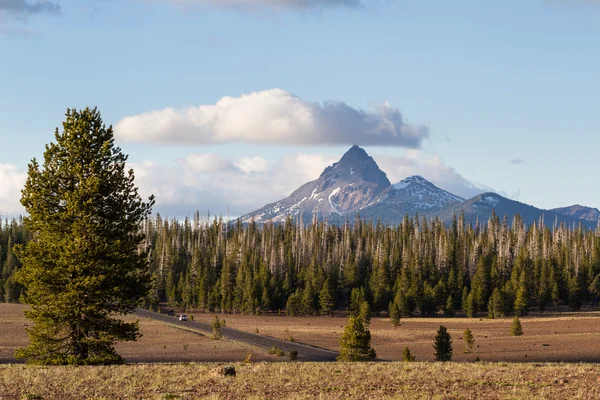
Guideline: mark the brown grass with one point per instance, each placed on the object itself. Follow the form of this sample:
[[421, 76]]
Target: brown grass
[[305, 380], [567, 338], [159, 343]]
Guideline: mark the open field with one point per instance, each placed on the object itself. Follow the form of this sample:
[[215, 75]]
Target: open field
[[305, 380], [159, 343], [567, 338]]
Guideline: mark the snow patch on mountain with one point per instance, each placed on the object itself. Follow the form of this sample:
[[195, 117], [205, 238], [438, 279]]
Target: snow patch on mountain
[[333, 206]]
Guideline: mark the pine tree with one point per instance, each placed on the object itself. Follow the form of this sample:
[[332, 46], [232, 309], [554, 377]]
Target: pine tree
[[496, 305], [365, 312], [294, 305], [85, 264], [516, 329], [357, 297], [449, 308], [522, 302], [325, 299], [355, 343], [471, 306], [394, 312], [407, 356], [217, 325], [469, 340], [443, 345]]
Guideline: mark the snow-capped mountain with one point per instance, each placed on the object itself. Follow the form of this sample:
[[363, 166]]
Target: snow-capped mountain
[[343, 188], [355, 186], [411, 196], [424, 194]]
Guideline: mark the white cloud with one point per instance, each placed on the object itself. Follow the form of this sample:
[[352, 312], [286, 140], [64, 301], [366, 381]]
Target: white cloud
[[12, 181], [273, 117], [430, 167], [241, 185], [270, 4]]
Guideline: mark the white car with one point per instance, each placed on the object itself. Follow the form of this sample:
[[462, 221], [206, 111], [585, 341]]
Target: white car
[[183, 317]]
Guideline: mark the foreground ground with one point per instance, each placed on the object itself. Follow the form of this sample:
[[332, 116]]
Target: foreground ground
[[305, 380]]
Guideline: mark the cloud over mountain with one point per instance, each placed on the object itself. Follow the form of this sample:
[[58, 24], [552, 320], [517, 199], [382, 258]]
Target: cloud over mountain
[[273, 117], [212, 182]]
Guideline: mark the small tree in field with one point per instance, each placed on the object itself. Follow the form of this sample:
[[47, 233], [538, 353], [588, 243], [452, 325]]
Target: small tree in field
[[394, 312], [217, 324], [86, 264], [469, 340], [355, 342], [443, 345], [407, 356], [516, 329]]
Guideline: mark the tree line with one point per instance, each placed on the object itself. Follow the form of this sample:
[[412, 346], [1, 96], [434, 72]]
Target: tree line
[[419, 267]]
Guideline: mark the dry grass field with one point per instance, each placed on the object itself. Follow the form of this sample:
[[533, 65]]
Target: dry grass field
[[159, 343], [304, 381], [566, 338], [151, 376]]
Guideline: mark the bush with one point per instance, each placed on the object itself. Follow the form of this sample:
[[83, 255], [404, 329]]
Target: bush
[[516, 329], [276, 351], [443, 345], [293, 355]]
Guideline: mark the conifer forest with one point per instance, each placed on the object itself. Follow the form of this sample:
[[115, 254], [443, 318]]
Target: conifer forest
[[419, 267]]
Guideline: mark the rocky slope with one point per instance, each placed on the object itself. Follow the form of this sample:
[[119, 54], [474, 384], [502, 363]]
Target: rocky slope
[[345, 187]]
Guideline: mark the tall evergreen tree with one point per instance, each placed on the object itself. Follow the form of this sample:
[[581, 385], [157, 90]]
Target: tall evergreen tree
[[85, 265]]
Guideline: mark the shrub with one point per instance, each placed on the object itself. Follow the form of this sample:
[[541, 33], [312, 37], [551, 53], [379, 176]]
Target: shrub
[[443, 345], [516, 329], [276, 351], [293, 355]]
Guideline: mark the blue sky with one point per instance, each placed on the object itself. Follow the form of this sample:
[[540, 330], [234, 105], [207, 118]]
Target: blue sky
[[508, 92]]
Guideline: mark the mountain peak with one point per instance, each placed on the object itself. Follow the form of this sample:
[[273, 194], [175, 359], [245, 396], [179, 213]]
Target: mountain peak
[[345, 187], [354, 155], [418, 179]]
